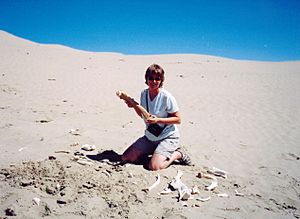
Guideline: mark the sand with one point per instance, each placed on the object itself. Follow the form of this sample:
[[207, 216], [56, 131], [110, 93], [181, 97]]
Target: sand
[[239, 116]]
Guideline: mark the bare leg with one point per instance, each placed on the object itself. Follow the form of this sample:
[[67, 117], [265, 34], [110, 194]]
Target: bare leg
[[132, 154], [159, 162], [139, 149]]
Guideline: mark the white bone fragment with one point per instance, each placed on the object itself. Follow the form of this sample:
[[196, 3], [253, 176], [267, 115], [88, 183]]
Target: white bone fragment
[[184, 194], [195, 190], [36, 201], [213, 185], [58, 186], [207, 176], [218, 172], [203, 199], [166, 191], [84, 162], [21, 149], [223, 195], [88, 147], [74, 131], [154, 184], [184, 204], [214, 182], [106, 173], [62, 151], [177, 184], [238, 193]]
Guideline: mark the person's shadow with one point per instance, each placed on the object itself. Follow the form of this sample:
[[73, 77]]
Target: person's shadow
[[113, 158], [109, 155]]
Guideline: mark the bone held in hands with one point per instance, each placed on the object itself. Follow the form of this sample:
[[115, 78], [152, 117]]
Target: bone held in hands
[[138, 108]]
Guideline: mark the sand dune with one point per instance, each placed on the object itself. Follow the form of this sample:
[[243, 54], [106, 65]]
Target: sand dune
[[240, 116]]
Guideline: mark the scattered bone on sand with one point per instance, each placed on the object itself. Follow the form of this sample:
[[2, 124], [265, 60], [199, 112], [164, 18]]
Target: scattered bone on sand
[[203, 199], [36, 201], [223, 195], [74, 131], [213, 185], [217, 172], [166, 191], [214, 182], [177, 184], [81, 161], [106, 173], [184, 204], [153, 185], [62, 151], [238, 193], [84, 162], [21, 149], [195, 190], [88, 147]]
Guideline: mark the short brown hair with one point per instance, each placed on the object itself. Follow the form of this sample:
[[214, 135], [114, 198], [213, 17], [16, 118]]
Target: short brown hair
[[157, 70]]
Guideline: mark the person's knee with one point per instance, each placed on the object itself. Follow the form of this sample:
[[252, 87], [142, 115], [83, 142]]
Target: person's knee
[[131, 155], [155, 166], [127, 159]]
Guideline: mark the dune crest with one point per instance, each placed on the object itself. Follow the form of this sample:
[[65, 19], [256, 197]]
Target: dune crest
[[241, 116]]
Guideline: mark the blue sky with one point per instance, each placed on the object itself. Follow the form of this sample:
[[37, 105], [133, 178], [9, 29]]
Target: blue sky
[[241, 29]]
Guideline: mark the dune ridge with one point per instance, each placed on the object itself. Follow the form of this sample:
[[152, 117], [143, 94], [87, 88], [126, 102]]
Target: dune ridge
[[238, 115]]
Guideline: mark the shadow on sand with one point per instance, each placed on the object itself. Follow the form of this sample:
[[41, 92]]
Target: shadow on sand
[[109, 155], [113, 158]]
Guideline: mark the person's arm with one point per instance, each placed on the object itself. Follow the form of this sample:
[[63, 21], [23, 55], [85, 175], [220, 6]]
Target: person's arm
[[131, 103], [173, 118]]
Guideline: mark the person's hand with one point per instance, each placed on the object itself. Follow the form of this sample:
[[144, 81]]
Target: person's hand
[[128, 104], [152, 120]]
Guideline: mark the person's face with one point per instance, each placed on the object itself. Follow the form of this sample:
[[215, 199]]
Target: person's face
[[154, 81]]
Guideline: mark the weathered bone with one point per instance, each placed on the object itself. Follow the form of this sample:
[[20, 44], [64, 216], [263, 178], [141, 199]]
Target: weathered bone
[[141, 111], [203, 199], [88, 147], [106, 173], [84, 162], [195, 190], [166, 191], [81, 161], [62, 151], [184, 204], [153, 185], [213, 185], [223, 195], [36, 201], [214, 182], [217, 172], [74, 131], [238, 193], [177, 184], [207, 176]]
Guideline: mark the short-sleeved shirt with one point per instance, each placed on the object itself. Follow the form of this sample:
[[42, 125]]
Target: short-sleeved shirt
[[163, 104]]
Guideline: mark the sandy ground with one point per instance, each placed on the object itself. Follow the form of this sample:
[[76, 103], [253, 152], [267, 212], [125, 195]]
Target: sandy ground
[[239, 116]]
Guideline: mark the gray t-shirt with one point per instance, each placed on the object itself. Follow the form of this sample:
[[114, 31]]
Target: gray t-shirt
[[163, 104]]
